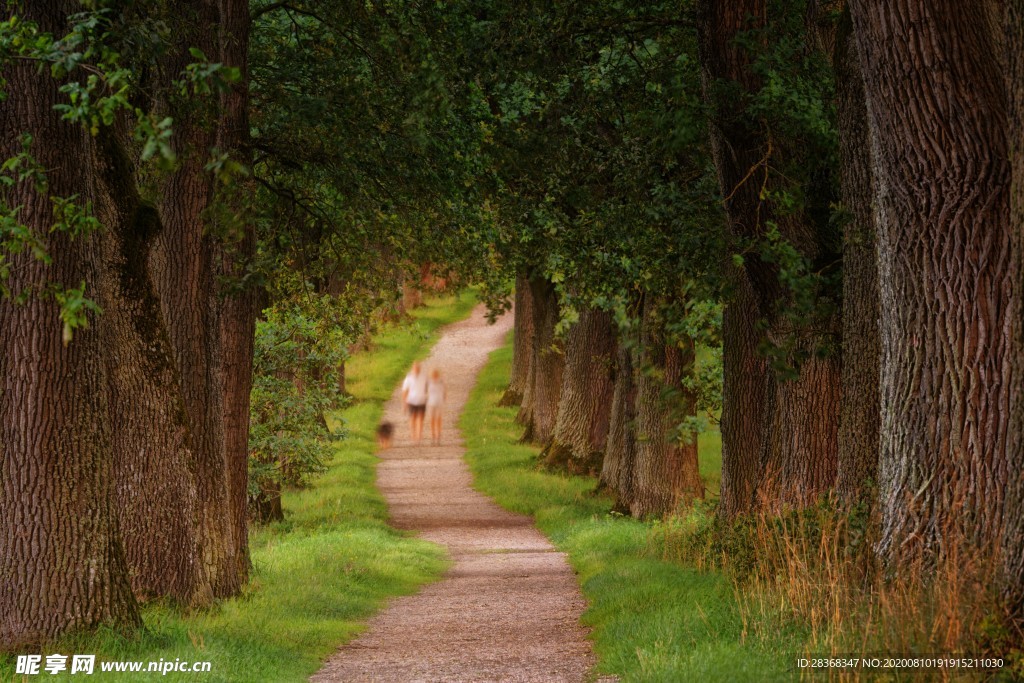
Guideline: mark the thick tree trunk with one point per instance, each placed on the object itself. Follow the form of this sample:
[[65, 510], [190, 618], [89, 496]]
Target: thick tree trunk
[[1013, 516], [62, 566], [666, 471], [800, 446], [546, 365], [238, 305], [584, 410], [618, 471], [154, 463], [522, 346], [947, 272], [859, 414], [185, 263], [800, 461], [744, 394]]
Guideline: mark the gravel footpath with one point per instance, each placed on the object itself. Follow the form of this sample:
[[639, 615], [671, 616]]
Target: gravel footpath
[[509, 608]]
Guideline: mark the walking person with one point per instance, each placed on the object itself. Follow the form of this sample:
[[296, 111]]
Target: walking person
[[414, 396], [437, 393]]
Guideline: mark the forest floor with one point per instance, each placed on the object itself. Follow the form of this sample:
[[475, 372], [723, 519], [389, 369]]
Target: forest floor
[[509, 607]]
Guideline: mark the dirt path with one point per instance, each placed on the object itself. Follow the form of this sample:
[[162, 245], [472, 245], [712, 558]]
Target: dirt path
[[509, 608]]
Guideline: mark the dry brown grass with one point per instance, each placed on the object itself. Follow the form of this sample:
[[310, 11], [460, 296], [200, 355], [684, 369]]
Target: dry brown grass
[[815, 570]]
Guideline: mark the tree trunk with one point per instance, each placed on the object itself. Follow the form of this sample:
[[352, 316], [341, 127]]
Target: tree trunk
[[238, 305], [522, 346], [267, 504], [62, 566], [404, 294], [584, 410], [947, 273], [1013, 534], [185, 263], [799, 459], [546, 365], [154, 464], [859, 413], [744, 394], [412, 295], [618, 471], [667, 475]]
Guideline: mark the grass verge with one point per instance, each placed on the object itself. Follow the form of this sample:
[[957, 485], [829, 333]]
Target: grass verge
[[652, 619], [317, 576]]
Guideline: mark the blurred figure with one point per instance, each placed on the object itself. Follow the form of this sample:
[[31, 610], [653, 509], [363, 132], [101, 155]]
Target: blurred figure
[[437, 393], [384, 433], [414, 395]]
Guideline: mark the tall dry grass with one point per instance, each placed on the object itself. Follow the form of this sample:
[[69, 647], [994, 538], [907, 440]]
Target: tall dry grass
[[815, 570]]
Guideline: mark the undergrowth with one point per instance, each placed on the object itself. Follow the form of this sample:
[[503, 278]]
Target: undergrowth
[[317, 576], [817, 569]]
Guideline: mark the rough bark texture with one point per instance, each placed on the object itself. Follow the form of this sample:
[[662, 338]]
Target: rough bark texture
[[62, 566], [1013, 516], [801, 444], [584, 408], [546, 364], [618, 471], [522, 345], [238, 307], [154, 463], [859, 408], [797, 425], [666, 472], [947, 272], [185, 262], [744, 392]]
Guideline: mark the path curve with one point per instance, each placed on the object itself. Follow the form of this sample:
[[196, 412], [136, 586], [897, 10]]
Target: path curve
[[509, 608]]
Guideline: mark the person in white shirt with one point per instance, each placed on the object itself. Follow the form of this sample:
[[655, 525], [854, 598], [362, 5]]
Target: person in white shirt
[[437, 392], [414, 395]]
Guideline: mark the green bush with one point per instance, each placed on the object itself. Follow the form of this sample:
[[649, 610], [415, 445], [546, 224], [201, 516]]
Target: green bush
[[298, 358]]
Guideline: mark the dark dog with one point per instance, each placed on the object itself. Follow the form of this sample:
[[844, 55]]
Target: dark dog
[[384, 433]]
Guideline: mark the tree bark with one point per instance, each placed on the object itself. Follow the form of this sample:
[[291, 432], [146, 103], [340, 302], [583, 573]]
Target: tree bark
[[799, 427], [801, 445], [618, 471], [154, 464], [584, 408], [744, 394], [947, 272], [1013, 514], [859, 414], [62, 566], [185, 263], [666, 470], [547, 363], [522, 346], [412, 294], [238, 305]]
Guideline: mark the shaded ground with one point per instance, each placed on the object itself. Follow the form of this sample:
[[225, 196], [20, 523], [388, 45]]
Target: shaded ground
[[509, 608]]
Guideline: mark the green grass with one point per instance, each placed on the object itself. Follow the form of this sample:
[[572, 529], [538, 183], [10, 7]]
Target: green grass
[[652, 620], [317, 576], [709, 452]]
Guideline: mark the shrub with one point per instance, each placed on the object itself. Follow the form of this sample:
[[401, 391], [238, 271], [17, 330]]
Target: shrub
[[298, 361]]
